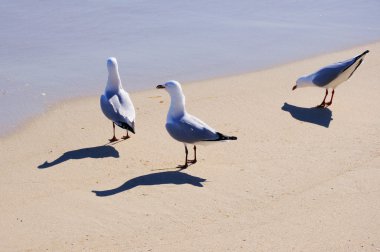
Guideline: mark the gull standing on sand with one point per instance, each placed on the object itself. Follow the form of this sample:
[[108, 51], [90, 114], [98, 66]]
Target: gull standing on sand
[[186, 128], [331, 76], [115, 102]]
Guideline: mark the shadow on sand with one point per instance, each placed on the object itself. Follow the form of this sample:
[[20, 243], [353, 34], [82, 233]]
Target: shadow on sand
[[160, 178], [103, 151], [318, 116]]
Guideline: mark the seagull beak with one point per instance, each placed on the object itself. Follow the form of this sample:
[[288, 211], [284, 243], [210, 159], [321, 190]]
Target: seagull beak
[[160, 86], [294, 87]]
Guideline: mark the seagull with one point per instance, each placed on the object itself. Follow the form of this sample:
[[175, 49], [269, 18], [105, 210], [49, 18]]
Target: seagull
[[115, 102], [186, 128], [331, 76]]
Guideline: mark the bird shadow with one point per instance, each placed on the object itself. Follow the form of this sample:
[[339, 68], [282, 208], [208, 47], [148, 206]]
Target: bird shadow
[[315, 115], [102, 151], [159, 178]]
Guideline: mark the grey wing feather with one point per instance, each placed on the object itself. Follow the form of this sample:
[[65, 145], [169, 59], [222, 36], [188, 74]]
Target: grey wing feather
[[112, 110], [107, 108], [127, 109], [326, 75], [186, 131]]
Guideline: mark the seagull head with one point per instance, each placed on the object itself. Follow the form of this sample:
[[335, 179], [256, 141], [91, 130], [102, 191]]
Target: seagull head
[[111, 64], [302, 82], [177, 104], [172, 87], [113, 82]]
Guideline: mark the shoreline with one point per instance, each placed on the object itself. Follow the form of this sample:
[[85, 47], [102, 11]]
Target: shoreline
[[297, 177], [50, 107]]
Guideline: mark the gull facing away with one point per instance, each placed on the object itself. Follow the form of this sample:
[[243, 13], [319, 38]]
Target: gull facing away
[[331, 76], [186, 128], [115, 102]]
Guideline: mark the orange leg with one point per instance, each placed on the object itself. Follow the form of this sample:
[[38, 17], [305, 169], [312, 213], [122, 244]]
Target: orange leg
[[126, 136], [187, 161], [185, 165], [113, 139], [330, 102], [195, 156], [323, 104]]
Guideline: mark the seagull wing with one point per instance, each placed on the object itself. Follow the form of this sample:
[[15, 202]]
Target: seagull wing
[[338, 72], [125, 106], [108, 110], [118, 108], [328, 74], [189, 129]]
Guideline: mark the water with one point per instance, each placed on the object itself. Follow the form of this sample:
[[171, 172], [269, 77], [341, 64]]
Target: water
[[54, 50]]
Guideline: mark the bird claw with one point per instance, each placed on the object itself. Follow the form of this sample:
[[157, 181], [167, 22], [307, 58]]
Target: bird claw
[[192, 161], [114, 139], [182, 166], [125, 137], [188, 163]]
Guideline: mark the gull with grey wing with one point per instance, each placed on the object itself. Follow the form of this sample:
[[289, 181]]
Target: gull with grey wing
[[331, 76], [116, 103], [185, 127]]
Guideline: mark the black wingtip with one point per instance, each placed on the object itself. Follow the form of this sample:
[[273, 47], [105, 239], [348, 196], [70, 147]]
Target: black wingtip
[[132, 129], [364, 53], [224, 137], [124, 125]]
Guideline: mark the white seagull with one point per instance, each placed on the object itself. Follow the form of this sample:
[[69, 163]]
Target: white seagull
[[331, 76], [186, 128], [115, 102]]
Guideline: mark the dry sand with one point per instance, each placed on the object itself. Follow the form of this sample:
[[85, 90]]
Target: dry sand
[[297, 179]]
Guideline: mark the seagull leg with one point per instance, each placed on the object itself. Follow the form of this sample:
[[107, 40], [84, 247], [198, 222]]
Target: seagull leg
[[330, 102], [114, 139], [323, 104], [195, 156], [126, 136], [185, 165]]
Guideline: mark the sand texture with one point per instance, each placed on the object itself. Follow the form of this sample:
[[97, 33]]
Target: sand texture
[[297, 179]]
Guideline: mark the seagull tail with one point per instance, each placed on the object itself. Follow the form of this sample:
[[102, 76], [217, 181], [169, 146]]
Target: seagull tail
[[364, 53], [222, 137], [126, 126], [359, 59]]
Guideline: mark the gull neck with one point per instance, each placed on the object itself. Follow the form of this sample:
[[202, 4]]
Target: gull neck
[[113, 82], [177, 105]]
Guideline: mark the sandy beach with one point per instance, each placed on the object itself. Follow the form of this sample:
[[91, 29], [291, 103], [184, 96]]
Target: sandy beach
[[297, 179]]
